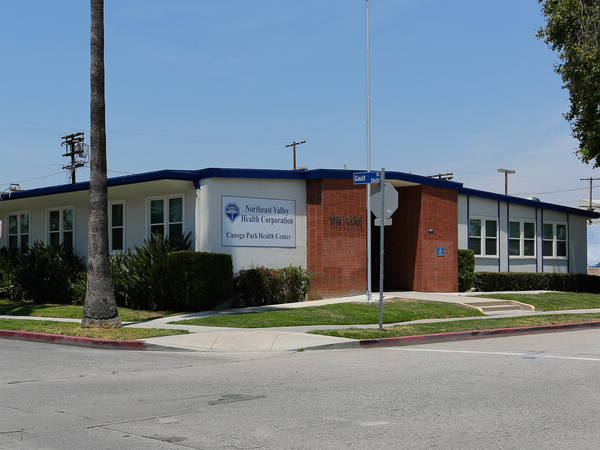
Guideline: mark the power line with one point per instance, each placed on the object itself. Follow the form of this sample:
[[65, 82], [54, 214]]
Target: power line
[[554, 192], [34, 179]]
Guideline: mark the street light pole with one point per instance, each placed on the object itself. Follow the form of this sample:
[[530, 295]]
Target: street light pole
[[506, 172], [368, 158]]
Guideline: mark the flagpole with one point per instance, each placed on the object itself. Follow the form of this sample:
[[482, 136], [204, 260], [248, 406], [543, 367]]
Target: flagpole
[[368, 158]]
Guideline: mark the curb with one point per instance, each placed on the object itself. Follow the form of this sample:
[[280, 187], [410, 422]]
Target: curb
[[478, 334], [75, 340]]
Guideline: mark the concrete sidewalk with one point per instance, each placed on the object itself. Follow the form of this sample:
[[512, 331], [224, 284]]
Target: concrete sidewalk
[[213, 339]]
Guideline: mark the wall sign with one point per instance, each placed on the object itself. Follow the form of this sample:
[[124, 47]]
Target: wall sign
[[440, 251], [258, 222], [345, 222]]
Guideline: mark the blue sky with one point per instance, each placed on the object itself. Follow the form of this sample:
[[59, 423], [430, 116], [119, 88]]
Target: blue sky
[[462, 87]]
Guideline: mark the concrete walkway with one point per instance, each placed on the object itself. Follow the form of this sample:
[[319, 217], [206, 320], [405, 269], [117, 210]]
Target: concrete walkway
[[218, 339], [297, 338]]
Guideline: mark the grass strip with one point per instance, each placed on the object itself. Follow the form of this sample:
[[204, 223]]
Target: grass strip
[[397, 310], [459, 325], [69, 311], [552, 301], [73, 329]]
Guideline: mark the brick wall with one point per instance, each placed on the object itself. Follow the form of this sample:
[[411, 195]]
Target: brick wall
[[336, 233], [411, 261]]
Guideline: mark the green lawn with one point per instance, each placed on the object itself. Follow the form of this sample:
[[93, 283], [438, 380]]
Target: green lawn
[[553, 301], [459, 325], [73, 329], [9, 308], [397, 310]]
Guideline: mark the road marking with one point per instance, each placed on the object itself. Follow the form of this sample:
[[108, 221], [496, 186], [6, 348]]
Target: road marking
[[474, 352]]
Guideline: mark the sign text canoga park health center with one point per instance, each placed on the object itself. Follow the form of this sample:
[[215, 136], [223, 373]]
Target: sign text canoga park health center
[[258, 222]]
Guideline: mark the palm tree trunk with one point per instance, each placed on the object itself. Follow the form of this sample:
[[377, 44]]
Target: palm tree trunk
[[100, 307]]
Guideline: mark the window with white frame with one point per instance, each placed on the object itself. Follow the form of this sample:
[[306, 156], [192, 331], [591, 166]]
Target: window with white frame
[[60, 226], [18, 231], [166, 217], [554, 240], [521, 238], [116, 224], [483, 237]]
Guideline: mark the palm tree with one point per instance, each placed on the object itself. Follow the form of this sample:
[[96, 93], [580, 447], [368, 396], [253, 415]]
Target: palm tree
[[100, 307]]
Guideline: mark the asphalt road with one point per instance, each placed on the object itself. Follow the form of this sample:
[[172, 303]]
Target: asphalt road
[[527, 392]]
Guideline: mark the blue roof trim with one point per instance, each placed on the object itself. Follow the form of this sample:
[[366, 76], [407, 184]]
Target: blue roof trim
[[196, 175], [526, 202], [189, 175]]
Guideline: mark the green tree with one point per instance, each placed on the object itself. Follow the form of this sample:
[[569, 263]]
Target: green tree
[[100, 307], [573, 30]]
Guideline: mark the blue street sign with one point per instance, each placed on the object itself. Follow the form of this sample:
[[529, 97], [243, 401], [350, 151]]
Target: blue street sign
[[367, 177]]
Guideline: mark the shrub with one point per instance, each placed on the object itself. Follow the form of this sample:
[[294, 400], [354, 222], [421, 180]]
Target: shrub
[[78, 288], [9, 287], [198, 280], [466, 269], [265, 286], [525, 281], [140, 278], [45, 272]]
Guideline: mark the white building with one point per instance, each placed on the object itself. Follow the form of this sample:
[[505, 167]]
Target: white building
[[315, 219]]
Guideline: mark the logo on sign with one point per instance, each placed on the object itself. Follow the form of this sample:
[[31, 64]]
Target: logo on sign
[[232, 211]]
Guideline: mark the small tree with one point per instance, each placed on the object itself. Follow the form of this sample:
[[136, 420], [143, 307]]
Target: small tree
[[573, 30]]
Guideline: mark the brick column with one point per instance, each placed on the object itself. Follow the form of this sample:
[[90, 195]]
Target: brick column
[[336, 234], [426, 219]]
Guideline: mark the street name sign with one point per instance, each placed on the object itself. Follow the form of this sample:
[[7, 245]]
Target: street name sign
[[366, 177]]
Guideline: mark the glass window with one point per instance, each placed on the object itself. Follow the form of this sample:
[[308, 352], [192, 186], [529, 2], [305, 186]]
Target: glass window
[[514, 235], [483, 244], [521, 237], [528, 239], [117, 227], [166, 216], [555, 240], [157, 217], [61, 227], [18, 231], [175, 217], [561, 240]]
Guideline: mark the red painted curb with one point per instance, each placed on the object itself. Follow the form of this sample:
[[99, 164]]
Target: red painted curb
[[71, 340], [477, 334]]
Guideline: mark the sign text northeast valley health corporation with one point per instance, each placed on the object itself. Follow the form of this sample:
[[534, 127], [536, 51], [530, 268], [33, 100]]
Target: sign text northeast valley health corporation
[[258, 222]]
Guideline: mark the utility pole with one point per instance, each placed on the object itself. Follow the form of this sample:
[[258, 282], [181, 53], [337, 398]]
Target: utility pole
[[74, 144], [442, 176], [293, 144], [590, 206]]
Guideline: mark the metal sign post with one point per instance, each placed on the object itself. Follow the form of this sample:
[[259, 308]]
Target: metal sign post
[[384, 202], [367, 178], [381, 249]]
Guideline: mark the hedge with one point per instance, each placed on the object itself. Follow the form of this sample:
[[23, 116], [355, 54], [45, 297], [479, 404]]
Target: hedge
[[267, 286], [199, 281], [525, 281], [466, 269]]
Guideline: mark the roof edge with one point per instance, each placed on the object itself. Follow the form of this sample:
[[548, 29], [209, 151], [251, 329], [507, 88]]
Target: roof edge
[[527, 202]]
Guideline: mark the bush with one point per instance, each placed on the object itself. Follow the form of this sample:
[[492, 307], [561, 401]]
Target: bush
[[140, 278], [78, 288], [45, 272], [525, 281], [466, 269], [199, 281], [9, 287], [264, 286]]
